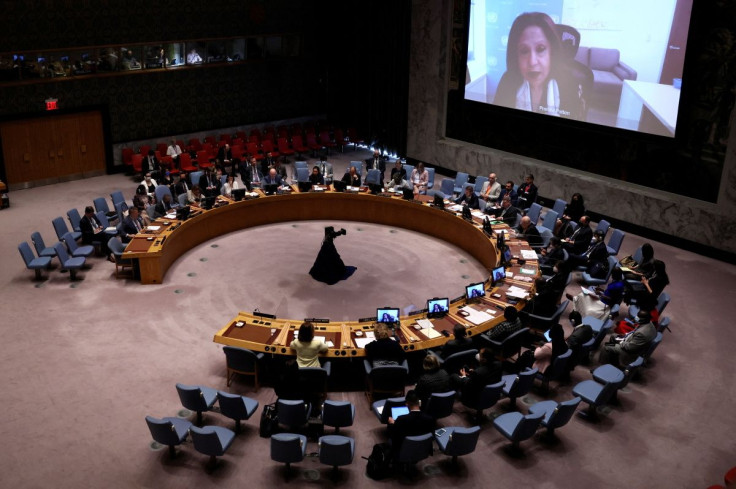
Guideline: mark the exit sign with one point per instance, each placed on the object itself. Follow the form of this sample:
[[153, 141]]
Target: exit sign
[[51, 104]]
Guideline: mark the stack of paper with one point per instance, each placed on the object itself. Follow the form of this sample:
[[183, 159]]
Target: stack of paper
[[476, 317], [529, 254], [516, 292]]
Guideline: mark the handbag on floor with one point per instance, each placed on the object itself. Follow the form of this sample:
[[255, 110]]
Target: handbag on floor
[[269, 421]]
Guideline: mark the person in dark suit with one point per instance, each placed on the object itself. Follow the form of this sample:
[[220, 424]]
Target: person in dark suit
[[529, 232], [398, 167], [209, 184], [470, 383], [527, 192], [252, 176], [92, 231], [508, 189], [164, 206], [181, 186], [506, 213], [351, 178], [461, 342], [468, 197], [413, 424], [595, 258], [316, 178], [384, 350], [580, 239], [273, 178], [150, 164], [225, 155], [132, 225], [376, 162]]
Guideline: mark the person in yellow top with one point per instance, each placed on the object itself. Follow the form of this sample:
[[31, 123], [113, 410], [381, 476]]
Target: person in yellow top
[[307, 348]]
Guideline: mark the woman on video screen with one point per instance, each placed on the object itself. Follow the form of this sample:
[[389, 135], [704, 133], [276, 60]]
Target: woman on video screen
[[537, 78]]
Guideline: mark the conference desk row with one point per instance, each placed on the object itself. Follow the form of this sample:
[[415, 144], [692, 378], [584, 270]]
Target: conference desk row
[[159, 247]]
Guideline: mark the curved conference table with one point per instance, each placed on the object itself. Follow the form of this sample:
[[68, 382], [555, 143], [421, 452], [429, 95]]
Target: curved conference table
[[158, 248]]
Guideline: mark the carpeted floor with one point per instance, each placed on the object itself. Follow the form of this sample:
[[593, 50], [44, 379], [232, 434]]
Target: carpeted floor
[[82, 363]]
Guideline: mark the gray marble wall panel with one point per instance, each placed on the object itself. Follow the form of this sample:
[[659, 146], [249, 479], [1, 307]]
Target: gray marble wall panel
[[710, 224]]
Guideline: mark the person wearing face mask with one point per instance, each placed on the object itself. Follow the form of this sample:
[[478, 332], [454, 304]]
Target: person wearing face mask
[[595, 258]]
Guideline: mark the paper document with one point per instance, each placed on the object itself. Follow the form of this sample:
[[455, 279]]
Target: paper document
[[476, 317], [425, 323], [529, 254], [431, 333], [153, 228], [516, 292], [477, 213], [110, 229], [361, 342]]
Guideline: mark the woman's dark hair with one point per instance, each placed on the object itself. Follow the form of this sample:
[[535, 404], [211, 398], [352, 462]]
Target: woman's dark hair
[[575, 318], [530, 19], [306, 332], [617, 274], [554, 241], [660, 270], [647, 252], [580, 200], [141, 189], [557, 335], [510, 313]]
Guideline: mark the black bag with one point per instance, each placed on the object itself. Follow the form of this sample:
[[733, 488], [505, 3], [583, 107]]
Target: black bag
[[379, 462], [269, 421]]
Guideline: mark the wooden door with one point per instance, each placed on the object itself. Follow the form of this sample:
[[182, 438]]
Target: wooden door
[[50, 149]]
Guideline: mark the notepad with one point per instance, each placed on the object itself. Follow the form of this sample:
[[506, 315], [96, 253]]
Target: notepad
[[361, 342], [110, 229], [529, 254], [153, 228]]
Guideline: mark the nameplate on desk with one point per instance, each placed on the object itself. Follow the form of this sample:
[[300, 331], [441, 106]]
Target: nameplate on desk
[[264, 315], [368, 320], [316, 320]]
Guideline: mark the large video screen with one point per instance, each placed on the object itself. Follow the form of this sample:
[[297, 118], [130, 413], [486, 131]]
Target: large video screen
[[616, 63]]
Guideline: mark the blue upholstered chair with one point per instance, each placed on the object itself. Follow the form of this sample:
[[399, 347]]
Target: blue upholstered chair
[[100, 204], [358, 165], [549, 221], [211, 440], [533, 212], [458, 441], [555, 415], [478, 187], [653, 346], [604, 226], [453, 363], [288, 448], [546, 235], [74, 219], [488, 397], [415, 449], [517, 385], [117, 197], [336, 451], [302, 175], [518, 427], [69, 263], [460, 180], [314, 379], [556, 370], [41, 248], [168, 431], [595, 394], [373, 178], [409, 169], [588, 280], [662, 324], [447, 188], [614, 244], [117, 248], [543, 323], [385, 379], [105, 223], [292, 413], [440, 404], [338, 414], [430, 179], [559, 206], [162, 190], [32, 262], [382, 409], [74, 249], [509, 346], [595, 341], [236, 407], [61, 229], [195, 176], [241, 361], [197, 398]]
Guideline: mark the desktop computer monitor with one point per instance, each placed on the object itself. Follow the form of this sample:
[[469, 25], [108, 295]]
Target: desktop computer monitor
[[388, 315], [270, 188], [475, 291], [182, 213], [239, 194], [437, 308], [497, 275]]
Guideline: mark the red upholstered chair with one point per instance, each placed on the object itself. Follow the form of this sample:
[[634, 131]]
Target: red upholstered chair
[[267, 147], [209, 147], [144, 149], [340, 139], [282, 132], [194, 145], [284, 148], [168, 163], [325, 140], [353, 136], [211, 140], [268, 136], [313, 144], [181, 144], [185, 163], [203, 159], [253, 150], [238, 142], [255, 132], [162, 148], [241, 135], [298, 145], [159, 155], [128, 156], [137, 163], [254, 138], [227, 138], [237, 151]]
